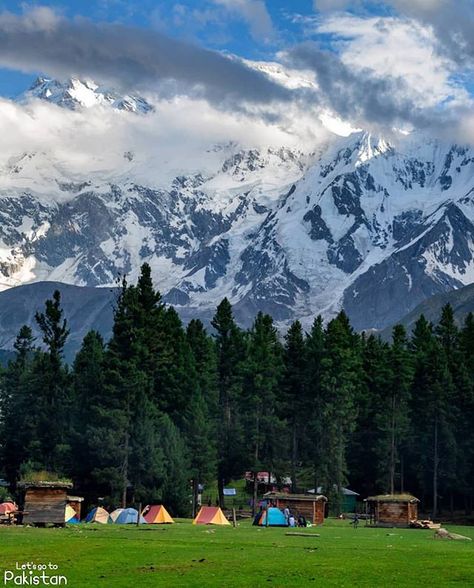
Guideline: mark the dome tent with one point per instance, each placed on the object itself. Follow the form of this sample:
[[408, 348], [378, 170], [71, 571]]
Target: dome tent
[[98, 515], [275, 518], [129, 516]]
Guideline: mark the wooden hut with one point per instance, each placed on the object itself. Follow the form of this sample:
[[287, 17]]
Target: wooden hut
[[392, 510], [75, 502], [45, 503], [312, 507]]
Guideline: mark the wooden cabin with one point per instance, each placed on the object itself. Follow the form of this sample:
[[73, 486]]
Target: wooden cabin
[[75, 502], [392, 510], [45, 503], [312, 507]]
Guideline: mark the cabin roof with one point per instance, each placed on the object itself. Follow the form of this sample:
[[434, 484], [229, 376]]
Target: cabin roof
[[307, 497], [392, 498], [32, 485]]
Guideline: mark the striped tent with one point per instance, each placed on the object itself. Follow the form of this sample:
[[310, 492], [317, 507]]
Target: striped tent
[[156, 515], [210, 515]]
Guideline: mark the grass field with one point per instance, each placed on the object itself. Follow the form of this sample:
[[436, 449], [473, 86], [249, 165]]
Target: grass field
[[186, 555]]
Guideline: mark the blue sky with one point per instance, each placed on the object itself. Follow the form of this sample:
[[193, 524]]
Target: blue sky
[[397, 63], [201, 21]]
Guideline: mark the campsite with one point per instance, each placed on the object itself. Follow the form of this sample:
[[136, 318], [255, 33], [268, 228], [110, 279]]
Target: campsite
[[192, 555]]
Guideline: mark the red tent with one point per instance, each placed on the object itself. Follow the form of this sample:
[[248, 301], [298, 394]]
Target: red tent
[[7, 507], [210, 515]]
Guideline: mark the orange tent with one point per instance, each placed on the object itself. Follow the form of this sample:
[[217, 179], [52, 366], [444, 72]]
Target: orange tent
[[210, 515], [156, 515]]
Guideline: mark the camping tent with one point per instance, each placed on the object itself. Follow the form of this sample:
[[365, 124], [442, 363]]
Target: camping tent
[[113, 516], [129, 516], [275, 518], [98, 515], [210, 515], [70, 515], [156, 514], [7, 507]]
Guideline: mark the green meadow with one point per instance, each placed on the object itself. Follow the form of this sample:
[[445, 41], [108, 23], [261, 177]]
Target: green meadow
[[187, 555]]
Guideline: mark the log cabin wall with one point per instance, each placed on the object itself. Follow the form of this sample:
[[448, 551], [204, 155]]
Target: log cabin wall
[[312, 510], [45, 505]]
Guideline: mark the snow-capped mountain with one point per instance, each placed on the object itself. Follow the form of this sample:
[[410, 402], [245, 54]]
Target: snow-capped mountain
[[75, 94], [363, 223]]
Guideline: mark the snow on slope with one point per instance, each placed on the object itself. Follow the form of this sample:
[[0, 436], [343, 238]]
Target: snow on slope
[[370, 224], [74, 94]]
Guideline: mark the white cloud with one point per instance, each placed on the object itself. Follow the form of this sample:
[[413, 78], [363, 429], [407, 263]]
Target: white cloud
[[396, 48], [255, 13], [50, 142]]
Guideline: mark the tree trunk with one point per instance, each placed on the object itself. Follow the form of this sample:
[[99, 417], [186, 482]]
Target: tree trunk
[[125, 472], [256, 457], [294, 453], [392, 449], [435, 468]]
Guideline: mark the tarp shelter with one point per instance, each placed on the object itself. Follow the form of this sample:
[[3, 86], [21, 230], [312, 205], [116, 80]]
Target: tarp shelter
[[156, 515], [129, 516], [115, 514], [7, 507], [98, 515], [70, 515], [210, 515], [275, 518]]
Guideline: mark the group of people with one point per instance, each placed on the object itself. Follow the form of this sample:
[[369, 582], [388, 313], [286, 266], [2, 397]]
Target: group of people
[[292, 521]]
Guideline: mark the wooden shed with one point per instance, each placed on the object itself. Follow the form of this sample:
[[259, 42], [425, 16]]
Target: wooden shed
[[75, 502], [392, 510], [312, 507], [45, 503]]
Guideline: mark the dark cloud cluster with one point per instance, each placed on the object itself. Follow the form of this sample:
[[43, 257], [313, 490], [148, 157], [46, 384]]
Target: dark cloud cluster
[[128, 57], [358, 95]]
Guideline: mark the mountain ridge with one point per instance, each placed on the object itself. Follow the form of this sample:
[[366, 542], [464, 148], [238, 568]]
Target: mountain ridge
[[371, 225]]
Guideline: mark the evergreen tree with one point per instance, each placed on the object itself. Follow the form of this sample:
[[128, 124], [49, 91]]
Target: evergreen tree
[[393, 410], [340, 382], [432, 390], [315, 345], [176, 488], [230, 348], [51, 384], [200, 439], [88, 391], [295, 403], [264, 430], [18, 426]]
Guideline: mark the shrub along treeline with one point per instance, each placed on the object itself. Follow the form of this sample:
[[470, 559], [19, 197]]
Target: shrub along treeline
[[160, 408]]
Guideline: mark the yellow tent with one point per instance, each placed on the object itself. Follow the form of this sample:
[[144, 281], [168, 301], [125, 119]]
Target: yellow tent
[[70, 515], [156, 515], [210, 515], [98, 515]]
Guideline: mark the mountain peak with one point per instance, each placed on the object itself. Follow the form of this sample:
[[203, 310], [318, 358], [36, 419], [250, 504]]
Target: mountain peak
[[76, 94]]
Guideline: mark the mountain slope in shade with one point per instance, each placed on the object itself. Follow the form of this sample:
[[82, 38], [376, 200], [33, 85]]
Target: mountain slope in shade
[[462, 301], [84, 309]]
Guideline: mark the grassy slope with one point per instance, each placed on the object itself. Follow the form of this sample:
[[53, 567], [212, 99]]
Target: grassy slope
[[119, 556]]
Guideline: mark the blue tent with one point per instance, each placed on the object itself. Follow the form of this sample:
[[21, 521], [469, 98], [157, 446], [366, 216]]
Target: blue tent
[[275, 518], [129, 516]]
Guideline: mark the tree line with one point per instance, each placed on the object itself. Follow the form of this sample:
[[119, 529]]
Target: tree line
[[161, 409]]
